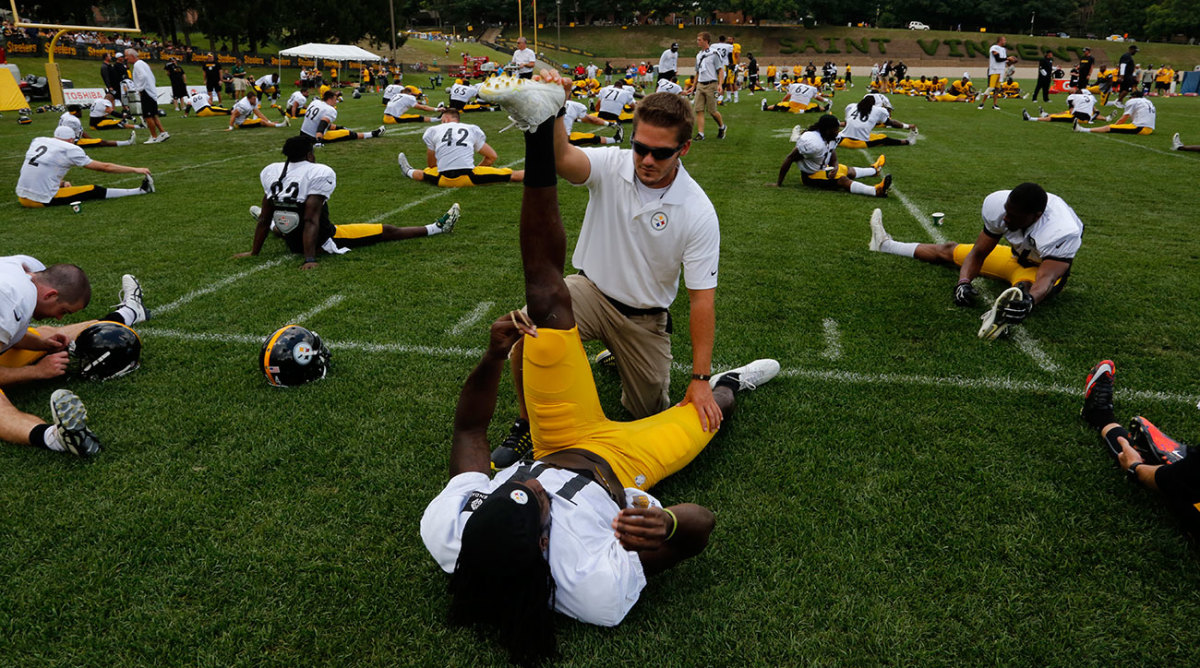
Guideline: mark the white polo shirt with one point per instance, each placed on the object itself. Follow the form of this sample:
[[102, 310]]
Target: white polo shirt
[[46, 163], [524, 59], [708, 65], [1057, 235], [454, 144], [597, 580], [18, 298], [814, 151], [1141, 112], [668, 61], [143, 78], [632, 250]]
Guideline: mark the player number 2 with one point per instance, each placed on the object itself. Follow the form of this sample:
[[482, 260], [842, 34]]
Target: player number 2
[[41, 150]]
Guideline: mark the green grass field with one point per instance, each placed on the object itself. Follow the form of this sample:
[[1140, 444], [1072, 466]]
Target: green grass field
[[902, 494]]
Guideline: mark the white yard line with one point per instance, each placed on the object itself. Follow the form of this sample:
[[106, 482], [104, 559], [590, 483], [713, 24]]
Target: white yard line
[[214, 286], [422, 200], [1108, 135], [325, 305], [833, 344], [471, 318], [850, 377]]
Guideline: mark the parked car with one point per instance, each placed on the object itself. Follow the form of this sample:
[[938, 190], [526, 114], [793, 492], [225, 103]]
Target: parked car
[[917, 25]]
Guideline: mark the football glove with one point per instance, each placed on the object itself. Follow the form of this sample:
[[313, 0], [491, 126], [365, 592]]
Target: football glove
[[1015, 311], [965, 294]]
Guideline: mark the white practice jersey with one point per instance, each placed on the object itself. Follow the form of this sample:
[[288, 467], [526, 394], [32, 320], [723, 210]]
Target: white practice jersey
[[573, 112], [312, 119], [46, 163], [597, 580], [18, 297], [1082, 102], [244, 109], [1057, 235], [297, 98], [993, 66], [881, 100], [613, 99], [463, 92], [199, 100], [400, 104], [860, 128], [801, 93], [668, 86], [392, 91], [67, 120], [454, 144], [668, 61], [725, 51], [815, 152], [264, 81], [302, 179], [100, 108], [1141, 112]]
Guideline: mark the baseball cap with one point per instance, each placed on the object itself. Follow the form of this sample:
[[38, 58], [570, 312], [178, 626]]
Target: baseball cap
[[119, 54], [64, 132]]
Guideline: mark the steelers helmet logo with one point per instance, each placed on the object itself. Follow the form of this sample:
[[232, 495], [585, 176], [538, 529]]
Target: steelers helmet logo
[[658, 221], [302, 352], [519, 497]]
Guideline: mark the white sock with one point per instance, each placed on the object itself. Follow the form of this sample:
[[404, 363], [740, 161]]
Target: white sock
[[864, 172], [127, 314], [53, 442], [125, 142], [114, 193], [432, 229], [862, 189], [901, 248], [735, 96]]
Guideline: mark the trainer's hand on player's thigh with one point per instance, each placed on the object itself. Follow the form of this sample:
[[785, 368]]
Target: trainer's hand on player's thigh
[[52, 366], [699, 394], [640, 529]]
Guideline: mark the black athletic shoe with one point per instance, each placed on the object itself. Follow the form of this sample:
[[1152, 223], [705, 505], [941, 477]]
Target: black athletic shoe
[[1098, 395], [721, 132], [1153, 443], [516, 446]]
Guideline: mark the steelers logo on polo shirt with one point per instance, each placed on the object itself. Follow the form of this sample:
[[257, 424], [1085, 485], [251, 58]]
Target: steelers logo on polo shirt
[[658, 221]]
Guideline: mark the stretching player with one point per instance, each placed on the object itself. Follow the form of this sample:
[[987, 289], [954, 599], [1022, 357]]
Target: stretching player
[[1044, 233], [246, 114], [1178, 145], [297, 103], [576, 530], [100, 116], [576, 112], [613, 100], [1138, 118], [450, 155], [961, 90], [816, 151], [798, 100], [46, 163], [319, 122], [861, 119], [295, 205], [397, 110], [1081, 108], [70, 119], [1147, 455], [462, 97], [202, 107]]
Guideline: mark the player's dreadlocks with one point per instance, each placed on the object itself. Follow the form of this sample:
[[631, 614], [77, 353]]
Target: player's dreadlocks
[[295, 149]]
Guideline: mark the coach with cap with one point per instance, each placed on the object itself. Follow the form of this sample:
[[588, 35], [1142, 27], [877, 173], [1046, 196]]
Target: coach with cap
[[1125, 69], [668, 62], [1086, 63]]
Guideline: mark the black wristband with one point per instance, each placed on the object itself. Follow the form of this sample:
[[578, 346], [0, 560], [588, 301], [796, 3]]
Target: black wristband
[[701, 376]]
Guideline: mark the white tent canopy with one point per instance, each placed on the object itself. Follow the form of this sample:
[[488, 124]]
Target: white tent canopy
[[338, 52]]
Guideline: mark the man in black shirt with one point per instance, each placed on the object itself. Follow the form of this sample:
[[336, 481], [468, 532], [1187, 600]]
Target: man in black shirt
[[1086, 62], [179, 92], [1045, 73], [108, 74], [212, 79], [1125, 68]]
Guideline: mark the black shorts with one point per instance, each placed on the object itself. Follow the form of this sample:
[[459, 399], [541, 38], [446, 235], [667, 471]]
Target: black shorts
[[1128, 83], [149, 104], [1082, 117], [178, 90], [608, 115], [668, 75], [1180, 485], [525, 75], [457, 104]]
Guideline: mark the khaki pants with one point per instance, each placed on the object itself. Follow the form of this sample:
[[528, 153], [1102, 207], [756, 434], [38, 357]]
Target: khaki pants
[[706, 99], [641, 344]]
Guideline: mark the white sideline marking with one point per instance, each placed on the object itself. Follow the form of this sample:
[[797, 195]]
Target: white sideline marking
[[1024, 341], [327, 304], [833, 346], [1108, 135], [422, 200], [214, 286], [471, 318], [852, 377]]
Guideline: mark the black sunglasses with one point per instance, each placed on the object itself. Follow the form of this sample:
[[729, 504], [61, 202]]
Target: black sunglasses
[[659, 153]]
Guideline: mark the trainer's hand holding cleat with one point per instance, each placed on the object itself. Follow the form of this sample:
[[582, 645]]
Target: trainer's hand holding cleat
[[965, 294]]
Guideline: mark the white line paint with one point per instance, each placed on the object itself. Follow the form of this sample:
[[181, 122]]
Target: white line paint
[[1175, 154], [833, 344], [850, 377], [323, 306], [1024, 341], [215, 285], [440, 192], [471, 318]]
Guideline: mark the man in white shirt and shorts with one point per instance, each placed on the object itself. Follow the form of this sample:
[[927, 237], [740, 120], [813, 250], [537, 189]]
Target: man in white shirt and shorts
[[710, 73], [145, 85], [998, 59], [450, 149], [575, 531], [1044, 235]]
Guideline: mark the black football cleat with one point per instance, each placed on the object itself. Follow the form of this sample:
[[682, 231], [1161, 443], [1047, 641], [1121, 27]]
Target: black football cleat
[[1153, 443], [516, 446], [1098, 394]]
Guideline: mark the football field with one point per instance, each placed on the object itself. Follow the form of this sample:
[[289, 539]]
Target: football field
[[903, 493]]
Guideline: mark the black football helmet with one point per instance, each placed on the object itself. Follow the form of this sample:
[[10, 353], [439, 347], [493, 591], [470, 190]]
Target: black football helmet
[[105, 350], [293, 356]]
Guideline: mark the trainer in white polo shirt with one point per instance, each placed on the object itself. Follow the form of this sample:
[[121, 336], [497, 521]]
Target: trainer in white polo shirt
[[523, 59]]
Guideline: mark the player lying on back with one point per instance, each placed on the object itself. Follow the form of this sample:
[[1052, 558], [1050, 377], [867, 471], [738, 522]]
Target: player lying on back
[[1044, 233]]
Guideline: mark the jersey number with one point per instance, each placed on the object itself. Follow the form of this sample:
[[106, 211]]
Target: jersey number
[[41, 150], [313, 113], [290, 194], [448, 138]]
